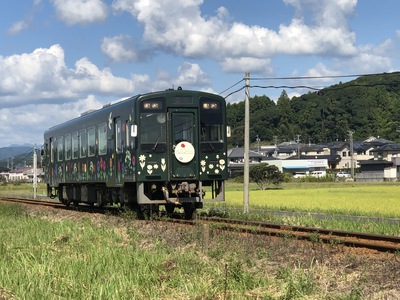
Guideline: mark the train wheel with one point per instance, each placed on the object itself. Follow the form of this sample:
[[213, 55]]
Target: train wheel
[[189, 210], [169, 208]]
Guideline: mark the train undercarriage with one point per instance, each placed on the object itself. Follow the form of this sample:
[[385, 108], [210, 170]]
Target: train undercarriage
[[143, 197]]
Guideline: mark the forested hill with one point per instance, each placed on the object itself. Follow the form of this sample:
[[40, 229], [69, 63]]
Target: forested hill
[[368, 106]]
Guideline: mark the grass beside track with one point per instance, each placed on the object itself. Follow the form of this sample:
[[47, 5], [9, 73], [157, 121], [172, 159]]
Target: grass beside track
[[86, 258]]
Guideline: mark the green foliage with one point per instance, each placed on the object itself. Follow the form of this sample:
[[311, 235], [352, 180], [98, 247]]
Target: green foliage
[[368, 105], [264, 175], [309, 178]]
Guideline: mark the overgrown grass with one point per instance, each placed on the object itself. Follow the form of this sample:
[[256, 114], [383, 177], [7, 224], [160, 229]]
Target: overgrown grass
[[75, 260], [44, 259], [21, 189]]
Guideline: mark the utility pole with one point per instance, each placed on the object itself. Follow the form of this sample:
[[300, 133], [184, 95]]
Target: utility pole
[[351, 153], [246, 145], [258, 143], [276, 145], [298, 146], [34, 171]]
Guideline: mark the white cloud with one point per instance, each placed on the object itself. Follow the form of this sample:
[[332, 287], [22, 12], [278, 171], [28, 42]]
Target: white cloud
[[17, 27], [80, 11], [87, 78], [22, 75], [42, 76], [28, 125], [119, 48], [298, 38], [321, 70], [178, 27], [369, 59], [192, 75], [247, 64], [326, 12]]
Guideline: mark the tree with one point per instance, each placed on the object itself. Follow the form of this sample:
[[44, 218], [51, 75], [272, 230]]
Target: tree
[[264, 174]]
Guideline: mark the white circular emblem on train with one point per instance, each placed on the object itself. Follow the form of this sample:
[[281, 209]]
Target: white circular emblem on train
[[184, 152]]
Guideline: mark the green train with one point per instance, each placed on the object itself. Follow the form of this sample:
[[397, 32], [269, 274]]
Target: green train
[[163, 148]]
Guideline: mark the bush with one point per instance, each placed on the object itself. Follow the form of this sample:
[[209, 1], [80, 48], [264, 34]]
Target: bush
[[264, 175]]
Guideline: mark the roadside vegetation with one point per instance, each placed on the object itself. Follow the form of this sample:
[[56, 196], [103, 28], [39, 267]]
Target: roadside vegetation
[[44, 256], [72, 255]]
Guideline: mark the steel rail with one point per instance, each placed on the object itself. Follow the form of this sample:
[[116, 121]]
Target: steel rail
[[378, 242]]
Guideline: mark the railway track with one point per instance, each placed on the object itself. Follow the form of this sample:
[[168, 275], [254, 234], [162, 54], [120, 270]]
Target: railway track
[[383, 243], [54, 204], [32, 201]]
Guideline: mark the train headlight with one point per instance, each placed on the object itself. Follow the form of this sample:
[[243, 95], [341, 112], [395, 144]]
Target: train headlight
[[210, 105], [151, 105]]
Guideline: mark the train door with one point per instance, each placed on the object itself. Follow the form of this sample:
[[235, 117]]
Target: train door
[[119, 147], [183, 137], [50, 155]]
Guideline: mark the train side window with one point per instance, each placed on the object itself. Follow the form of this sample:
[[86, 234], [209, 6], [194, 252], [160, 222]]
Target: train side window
[[130, 135], [60, 148], [118, 136], [134, 130], [91, 141], [52, 150], [82, 143], [102, 130], [67, 140], [75, 145]]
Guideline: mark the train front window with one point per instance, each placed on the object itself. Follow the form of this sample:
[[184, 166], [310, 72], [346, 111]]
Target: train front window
[[183, 128], [152, 127], [211, 126]]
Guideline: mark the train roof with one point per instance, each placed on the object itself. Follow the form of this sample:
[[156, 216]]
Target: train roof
[[111, 106]]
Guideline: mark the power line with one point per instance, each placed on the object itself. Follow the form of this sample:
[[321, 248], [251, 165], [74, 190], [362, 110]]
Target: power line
[[234, 92], [231, 86], [304, 86], [319, 77], [285, 87], [21, 157]]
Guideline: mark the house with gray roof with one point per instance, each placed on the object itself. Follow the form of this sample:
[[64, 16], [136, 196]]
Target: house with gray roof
[[384, 166]]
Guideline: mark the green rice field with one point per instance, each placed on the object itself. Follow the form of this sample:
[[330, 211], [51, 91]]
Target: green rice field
[[372, 199]]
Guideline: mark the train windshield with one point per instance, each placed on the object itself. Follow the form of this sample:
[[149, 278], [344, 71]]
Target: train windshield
[[152, 127], [211, 126]]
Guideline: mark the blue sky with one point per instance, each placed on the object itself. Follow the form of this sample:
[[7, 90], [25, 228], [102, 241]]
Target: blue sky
[[59, 58]]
